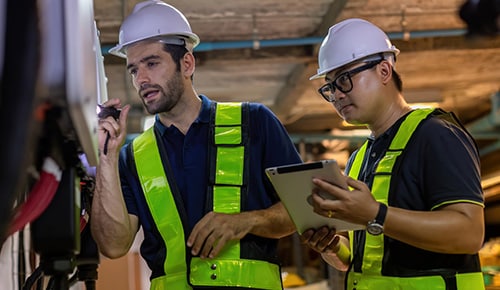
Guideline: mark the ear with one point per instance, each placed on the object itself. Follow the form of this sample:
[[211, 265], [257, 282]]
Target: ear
[[188, 64], [385, 70]]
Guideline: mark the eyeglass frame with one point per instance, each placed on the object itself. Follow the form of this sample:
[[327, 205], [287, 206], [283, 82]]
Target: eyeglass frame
[[332, 86]]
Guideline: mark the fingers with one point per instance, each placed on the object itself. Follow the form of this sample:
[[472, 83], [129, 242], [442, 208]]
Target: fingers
[[116, 127], [208, 244], [113, 102], [216, 246], [357, 184], [123, 117], [206, 239], [196, 238], [214, 231], [109, 125], [329, 214], [331, 191], [213, 245], [306, 235], [107, 122], [324, 207], [323, 240], [112, 132]]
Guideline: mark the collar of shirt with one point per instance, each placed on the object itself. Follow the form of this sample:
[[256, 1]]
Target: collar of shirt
[[203, 117]]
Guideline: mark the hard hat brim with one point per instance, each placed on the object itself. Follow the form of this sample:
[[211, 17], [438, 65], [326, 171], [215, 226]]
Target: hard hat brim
[[321, 74], [193, 39]]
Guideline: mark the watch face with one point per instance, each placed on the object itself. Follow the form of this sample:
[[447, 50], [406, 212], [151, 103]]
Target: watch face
[[375, 229]]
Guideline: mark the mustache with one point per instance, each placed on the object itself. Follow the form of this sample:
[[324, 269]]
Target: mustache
[[149, 86]]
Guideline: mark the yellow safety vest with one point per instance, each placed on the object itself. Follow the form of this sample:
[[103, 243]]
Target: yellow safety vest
[[227, 270], [371, 276]]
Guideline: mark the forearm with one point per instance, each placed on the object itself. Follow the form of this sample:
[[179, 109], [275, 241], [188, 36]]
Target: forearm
[[454, 229], [112, 227], [273, 222]]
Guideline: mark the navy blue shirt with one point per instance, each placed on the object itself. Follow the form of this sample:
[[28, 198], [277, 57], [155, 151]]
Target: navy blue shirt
[[269, 146]]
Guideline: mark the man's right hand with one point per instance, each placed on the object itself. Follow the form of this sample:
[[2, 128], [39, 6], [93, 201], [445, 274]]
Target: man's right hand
[[112, 131], [322, 240]]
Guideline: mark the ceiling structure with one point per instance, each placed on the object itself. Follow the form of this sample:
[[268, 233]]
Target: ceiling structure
[[266, 50]]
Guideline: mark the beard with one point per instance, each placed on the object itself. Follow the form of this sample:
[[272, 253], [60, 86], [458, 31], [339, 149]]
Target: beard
[[170, 94]]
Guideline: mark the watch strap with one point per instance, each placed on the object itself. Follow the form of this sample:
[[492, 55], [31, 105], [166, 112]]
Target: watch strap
[[382, 212]]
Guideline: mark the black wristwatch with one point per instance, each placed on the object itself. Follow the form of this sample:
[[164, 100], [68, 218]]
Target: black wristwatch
[[376, 226]]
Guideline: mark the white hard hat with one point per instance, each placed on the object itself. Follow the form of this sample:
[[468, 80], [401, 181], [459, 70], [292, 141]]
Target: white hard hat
[[351, 40], [154, 19]]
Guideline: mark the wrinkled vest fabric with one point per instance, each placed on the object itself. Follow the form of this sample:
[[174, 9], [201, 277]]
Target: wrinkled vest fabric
[[371, 276], [227, 270]]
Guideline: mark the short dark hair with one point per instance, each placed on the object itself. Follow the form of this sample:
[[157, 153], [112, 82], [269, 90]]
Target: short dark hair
[[177, 52], [397, 80]]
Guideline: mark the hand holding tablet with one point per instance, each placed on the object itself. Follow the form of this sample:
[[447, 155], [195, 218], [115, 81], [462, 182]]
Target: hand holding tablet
[[293, 183]]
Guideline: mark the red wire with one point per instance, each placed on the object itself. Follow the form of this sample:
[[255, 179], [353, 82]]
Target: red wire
[[39, 198], [84, 219]]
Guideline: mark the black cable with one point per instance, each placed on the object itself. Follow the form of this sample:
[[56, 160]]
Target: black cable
[[50, 285], [33, 278], [58, 282], [21, 263], [39, 284], [73, 279], [90, 285]]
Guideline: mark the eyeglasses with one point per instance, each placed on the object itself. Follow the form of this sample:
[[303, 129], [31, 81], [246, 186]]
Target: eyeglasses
[[343, 82]]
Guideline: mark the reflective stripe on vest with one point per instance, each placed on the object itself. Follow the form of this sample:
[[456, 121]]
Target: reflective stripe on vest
[[227, 269], [371, 277], [465, 281], [161, 202]]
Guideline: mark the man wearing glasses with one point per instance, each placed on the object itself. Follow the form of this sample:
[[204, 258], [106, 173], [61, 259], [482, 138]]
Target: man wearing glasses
[[414, 184]]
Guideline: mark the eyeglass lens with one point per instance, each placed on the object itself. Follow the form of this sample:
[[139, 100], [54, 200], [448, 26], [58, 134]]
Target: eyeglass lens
[[343, 82]]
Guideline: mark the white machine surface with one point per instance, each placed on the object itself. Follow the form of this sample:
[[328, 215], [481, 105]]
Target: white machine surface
[[72, 66]]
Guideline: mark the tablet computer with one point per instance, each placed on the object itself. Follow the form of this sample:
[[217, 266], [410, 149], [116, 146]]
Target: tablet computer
[[294, 186]]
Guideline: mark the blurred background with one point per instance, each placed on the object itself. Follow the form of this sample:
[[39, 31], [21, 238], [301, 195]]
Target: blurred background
[[254, 50]]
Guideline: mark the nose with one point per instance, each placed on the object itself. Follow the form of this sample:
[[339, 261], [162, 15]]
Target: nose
[[338, 95], [141, 77]]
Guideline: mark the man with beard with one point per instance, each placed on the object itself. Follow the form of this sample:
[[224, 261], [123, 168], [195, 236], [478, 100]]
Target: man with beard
[[210, 216]]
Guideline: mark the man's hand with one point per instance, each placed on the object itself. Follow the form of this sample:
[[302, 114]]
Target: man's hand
[[355, 205], [215, 230], [334, 248], [112, 129], [323, 240]]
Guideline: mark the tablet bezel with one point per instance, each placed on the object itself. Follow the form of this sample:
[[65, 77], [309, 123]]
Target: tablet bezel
[[293, 184]]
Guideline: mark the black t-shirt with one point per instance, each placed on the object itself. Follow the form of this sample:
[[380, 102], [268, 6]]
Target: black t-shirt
[[440, 165]]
